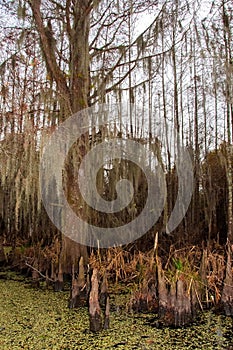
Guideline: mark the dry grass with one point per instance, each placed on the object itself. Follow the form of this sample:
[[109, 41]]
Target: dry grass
[[202, 269]]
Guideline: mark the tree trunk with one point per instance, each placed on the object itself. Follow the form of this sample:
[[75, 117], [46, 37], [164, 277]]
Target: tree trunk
[[2, 253], [73, 88], [75, 94], [227, 293], [79, 64], [47, 42]]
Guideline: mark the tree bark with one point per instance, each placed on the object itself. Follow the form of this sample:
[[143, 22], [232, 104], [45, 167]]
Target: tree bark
[[73, 93], [94, 306], [78, 293], [73, 88], [227, 293], [175, 304], [2, 253], [47, 43], [79, 64]]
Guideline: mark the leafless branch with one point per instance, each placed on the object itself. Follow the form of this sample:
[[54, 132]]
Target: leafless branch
[[41, 274]]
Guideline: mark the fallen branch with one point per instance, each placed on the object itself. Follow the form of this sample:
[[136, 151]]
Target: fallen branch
[[41, 274]]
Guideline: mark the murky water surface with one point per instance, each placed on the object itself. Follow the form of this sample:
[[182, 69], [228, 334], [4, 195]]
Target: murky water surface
[[40, 319]]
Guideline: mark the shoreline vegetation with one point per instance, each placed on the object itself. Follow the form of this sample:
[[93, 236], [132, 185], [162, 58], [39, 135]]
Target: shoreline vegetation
[[176, 290], [38, 318]]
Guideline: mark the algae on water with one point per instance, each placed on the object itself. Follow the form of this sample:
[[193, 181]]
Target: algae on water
[[40, 319]]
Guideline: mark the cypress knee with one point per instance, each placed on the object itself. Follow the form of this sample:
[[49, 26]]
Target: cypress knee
[[59, 283], [104, 301], [107, 313], [94, 306], [104, 291], [35, 275], [78, 295]]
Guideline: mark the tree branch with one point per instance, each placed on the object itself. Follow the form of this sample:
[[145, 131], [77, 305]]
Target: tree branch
[[46, 39], [41, 274]]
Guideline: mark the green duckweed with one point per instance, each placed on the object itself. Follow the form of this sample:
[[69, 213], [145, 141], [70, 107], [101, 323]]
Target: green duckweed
[[40, 319]]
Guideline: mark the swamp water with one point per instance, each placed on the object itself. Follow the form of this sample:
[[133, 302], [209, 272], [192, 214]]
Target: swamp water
[[40, 319]]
